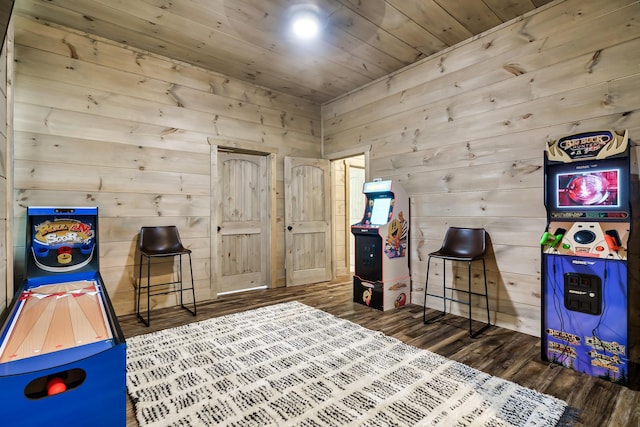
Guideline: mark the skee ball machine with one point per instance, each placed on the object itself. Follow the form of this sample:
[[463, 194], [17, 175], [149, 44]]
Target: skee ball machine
[[590, 301], [62, 353], [381, 278]]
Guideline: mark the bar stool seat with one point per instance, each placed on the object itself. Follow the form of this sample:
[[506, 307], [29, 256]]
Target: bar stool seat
[[158, 242], [466, 245]]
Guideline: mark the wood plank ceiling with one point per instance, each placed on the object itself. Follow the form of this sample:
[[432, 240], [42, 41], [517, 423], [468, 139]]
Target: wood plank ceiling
[[362, 40]]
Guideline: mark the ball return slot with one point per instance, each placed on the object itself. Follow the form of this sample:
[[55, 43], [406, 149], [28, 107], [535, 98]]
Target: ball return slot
[[49, 385]]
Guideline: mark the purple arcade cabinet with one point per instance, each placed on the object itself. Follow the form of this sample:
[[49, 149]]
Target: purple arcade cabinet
[[590, 287]]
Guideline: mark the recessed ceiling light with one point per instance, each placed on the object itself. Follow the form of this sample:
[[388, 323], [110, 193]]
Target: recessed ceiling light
[[305, 20], [305, 25]]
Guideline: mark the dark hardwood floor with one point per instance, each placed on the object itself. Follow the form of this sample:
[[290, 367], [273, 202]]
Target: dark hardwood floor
[[497, 351]]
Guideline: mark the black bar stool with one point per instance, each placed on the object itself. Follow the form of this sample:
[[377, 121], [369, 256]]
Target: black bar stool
[[158, 242], [460, 244]]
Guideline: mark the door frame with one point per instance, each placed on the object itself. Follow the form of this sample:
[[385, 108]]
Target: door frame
[[339, 156], [350, 249], [270, 153]]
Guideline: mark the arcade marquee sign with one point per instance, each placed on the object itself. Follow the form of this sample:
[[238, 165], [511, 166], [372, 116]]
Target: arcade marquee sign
[[587, 145], [66, 231]]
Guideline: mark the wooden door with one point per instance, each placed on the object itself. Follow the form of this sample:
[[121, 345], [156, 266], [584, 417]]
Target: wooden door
[[307, 191], [243, 243]]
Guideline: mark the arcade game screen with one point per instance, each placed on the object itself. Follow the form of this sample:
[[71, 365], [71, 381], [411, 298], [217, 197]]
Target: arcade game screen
[[597, 190], [380, 210], [590, 189]]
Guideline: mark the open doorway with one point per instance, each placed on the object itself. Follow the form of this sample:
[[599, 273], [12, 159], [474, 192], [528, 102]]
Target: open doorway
[[348, 207], [355, 173]]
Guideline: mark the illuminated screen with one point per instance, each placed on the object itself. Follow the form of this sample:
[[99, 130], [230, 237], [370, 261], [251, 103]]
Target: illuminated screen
[[589, 189], [380, 211]]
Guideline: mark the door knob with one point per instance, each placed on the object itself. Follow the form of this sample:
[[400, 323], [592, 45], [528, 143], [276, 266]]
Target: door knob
[[289, 228]]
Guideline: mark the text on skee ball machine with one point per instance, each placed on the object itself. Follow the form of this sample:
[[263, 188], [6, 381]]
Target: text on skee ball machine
[[590, 289], [62, 353], [381, 278]]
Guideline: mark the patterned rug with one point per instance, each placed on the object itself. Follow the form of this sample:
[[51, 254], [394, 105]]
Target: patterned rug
[[293, 365]]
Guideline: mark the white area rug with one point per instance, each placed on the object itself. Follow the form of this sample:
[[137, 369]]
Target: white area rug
[[293, 365]]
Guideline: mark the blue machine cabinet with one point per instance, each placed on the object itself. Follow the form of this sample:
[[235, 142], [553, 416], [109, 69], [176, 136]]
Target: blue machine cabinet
[[62, 352], [590, 297]]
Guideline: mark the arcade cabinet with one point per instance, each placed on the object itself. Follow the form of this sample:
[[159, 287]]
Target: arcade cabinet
[[590, 303], [381, 279], [62, 353]]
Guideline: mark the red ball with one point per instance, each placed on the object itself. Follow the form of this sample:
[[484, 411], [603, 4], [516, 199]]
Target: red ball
[[56, 385], [64, 250]]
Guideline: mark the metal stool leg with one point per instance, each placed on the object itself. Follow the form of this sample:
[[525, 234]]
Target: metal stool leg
[[139, 291], [426, 293], [426, 288], [193, 292], [148, 322], [486, 300], [139, 288], [470, 294], [193, 288], [444, 287], [486, 292], [180, 278]]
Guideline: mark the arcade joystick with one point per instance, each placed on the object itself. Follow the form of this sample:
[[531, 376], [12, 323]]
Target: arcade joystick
[[611, 242], [559, 234], [613, 239], [552, 239], [545, 238]]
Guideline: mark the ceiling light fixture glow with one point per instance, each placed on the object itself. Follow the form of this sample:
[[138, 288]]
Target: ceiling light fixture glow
[[305, 25], [306, 21]]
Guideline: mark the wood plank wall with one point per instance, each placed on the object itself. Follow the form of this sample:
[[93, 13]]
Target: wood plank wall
[[464, 133], [101, 124]]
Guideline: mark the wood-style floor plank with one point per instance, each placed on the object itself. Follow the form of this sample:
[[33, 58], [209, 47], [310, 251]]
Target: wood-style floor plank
[[504, 353]]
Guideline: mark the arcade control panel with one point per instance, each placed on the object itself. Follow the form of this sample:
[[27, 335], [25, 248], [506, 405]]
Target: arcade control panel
[[587, 239]]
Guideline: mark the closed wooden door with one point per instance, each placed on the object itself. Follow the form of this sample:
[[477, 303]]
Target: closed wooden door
[[243, 222], [307, 220]]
